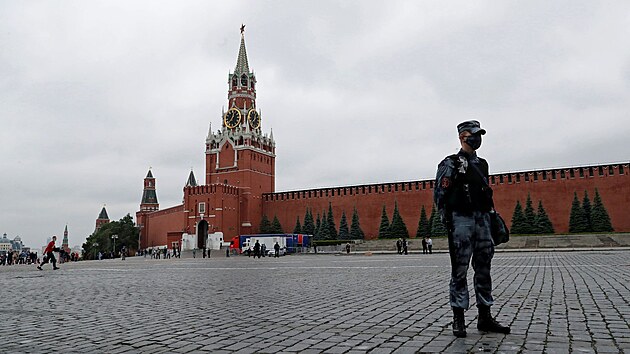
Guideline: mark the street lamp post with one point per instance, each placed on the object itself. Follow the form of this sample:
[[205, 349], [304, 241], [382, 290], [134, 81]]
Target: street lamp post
[[114, 237], [95, 248]]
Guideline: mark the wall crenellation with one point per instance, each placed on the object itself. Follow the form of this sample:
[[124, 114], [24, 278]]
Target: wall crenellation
[[607, 170]]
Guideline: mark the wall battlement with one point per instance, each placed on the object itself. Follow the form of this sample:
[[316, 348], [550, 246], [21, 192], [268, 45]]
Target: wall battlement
[[212, 188], [553, 187], [157, 213], [547, 175]]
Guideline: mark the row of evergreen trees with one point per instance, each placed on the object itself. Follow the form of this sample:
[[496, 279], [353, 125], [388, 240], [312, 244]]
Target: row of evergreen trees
[[322, 228], [584, 218], [530, 222]]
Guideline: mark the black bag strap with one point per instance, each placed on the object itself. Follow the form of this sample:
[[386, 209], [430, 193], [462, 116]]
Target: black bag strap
[[483, 179]]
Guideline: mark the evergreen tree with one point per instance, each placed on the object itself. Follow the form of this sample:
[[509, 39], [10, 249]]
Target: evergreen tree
[[318, 226], [437, 226], [331, 223], [383, 229], [265, 225], [398, 229], [543, 223], [518, 220], [298, 228], [423, 224], [530, 217], [355, 228], [309, 224], [324, 229], [600, 217], [577, 220], [276, 228], [586, 206], [344, 233]]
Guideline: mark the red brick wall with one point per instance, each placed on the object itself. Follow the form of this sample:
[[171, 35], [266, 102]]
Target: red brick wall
[[221, 203], [556, 195], [158, 224]]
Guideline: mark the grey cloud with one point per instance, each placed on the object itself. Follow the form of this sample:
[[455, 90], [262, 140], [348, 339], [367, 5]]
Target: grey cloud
[[93, 93]]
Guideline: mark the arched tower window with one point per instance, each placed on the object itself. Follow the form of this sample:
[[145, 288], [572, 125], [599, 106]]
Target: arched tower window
[[234, 81], [243, 80]]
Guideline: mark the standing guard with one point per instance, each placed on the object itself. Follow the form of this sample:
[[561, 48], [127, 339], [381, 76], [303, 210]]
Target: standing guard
[[464, 200]]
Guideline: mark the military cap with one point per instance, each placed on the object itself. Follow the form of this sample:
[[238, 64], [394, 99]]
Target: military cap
[[472, 126]]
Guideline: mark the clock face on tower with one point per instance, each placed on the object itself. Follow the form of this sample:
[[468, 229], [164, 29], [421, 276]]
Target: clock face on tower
[[254, 119], [232, 118]]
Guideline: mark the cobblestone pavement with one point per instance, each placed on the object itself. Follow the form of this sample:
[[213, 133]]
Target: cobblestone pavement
[[556, 302]]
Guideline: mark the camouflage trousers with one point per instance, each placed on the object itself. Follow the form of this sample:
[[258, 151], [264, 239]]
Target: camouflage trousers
[[470, 237]]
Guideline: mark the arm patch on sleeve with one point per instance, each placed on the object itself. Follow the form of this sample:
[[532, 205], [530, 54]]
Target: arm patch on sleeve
[[445, 182]]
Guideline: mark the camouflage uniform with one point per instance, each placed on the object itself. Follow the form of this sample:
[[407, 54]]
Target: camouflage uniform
[[464, 200]]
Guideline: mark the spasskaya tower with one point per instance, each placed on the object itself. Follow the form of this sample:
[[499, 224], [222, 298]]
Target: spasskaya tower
[[240, 154]]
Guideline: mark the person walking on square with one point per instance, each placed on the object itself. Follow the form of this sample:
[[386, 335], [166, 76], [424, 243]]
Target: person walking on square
[[404, 245], [425, 248], [430, 245], [464, 201], [49, 256], [399, 246]]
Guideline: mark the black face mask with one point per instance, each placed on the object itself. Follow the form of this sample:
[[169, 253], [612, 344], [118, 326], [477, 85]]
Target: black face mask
[[474, 141]]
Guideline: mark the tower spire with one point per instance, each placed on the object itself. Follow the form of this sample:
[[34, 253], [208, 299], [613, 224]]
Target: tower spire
[[64, 244], [149, 200], [242, 66], [191, 182]]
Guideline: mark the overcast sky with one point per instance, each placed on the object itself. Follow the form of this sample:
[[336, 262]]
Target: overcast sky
[[93, 93]]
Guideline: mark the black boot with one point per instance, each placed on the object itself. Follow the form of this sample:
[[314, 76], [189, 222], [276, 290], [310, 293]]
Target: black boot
[[486, 323], [459, 324]]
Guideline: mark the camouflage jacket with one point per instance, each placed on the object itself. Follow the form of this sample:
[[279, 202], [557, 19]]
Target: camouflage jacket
[[459, 187]]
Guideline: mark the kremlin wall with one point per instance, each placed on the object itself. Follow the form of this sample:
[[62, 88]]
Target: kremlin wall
[[554, 188], [240, 186]]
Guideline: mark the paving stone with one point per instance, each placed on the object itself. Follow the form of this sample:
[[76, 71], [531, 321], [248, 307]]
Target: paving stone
[[554, 301]]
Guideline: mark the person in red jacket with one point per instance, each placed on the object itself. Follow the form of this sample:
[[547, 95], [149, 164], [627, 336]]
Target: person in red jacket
[[49, 256]]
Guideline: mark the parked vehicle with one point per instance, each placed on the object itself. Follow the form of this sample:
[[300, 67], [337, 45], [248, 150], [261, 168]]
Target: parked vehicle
[[289, 243]]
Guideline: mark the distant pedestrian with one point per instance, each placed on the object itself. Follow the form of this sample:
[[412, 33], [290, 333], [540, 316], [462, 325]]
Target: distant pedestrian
[[399, 246], [194, 253], [348, 248], [404, 245], [263, 250], [425, 248], [49, 255], [276, 248], [430, 245], [257, 249]]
